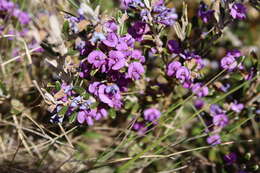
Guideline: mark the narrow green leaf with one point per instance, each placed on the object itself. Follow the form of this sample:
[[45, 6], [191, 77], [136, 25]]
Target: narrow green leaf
[[63, 111], [65, 28], [73, 117]]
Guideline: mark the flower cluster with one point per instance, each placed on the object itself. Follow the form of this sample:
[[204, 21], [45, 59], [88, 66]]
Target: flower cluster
[[204, 13], [229, 62], [70, 104], [109, 63], [117, 58], [12, 9], [150, 115], [158, 13], [219, 120], [186, 71], [237, 11]]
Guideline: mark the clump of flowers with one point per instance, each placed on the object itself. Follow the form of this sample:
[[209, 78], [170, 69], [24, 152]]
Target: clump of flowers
[[128, 66], [238, 11], [204, 13], [11, 9]]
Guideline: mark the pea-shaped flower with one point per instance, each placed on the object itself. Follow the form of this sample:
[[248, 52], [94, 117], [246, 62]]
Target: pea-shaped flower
[[151, 114]]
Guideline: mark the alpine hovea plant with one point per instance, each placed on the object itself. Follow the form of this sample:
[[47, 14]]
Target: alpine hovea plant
[[117, 57], [128, 66], [129, 86]]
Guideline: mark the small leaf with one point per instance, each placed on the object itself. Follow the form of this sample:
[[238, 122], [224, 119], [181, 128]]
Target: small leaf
[[71, 52], [79, 89], [189, 27], [57, 86], [177, 28], [112, 113], [63, 110], [85, 96], [94, 105], [66, 28], [72, 117]]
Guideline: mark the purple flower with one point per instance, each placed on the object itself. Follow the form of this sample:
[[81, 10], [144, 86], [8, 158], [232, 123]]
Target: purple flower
[[67, 88], [198, 103], [97, 36], [76, 102], [116, 60], [225, 87], [200, 63], [93, 88], [80, 44], [140, 128], [138, 30], [252, 72], [98, 59], [173, 67], [73, 23], [101, 113], [111, 26], [137, 54], [238, 11], [173, 46], [204, 14], [183, 74], [125, 4], [152, 53], [136, 4], [236, 107], [122, 45], [200, 90], [220, 120], [128, 39], [86, 116], [144, 15], [24, 18], [13, 10], [234, 53], [151, 114], [110, 95], [158, 5], [164, 15], [85, 104], [228, 63], [187, 55], [214, 139], [215, 110], [6, 5], [84, 69], [230, 158], [111, 40], [135, 70]]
